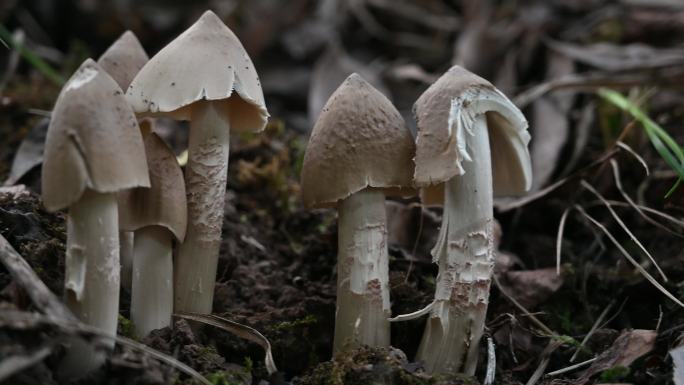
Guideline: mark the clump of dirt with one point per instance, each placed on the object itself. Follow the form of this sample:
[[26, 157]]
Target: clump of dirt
[[370, 366], [38, 236]]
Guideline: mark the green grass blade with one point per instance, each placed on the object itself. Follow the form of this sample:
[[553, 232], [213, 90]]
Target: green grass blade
[[663, 143], [31, 57]]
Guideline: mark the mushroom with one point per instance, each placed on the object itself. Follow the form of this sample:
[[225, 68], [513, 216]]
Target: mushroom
[[157, 215], [360, 150], [193, 78], [93, 150], [471, 145], [122, 61]]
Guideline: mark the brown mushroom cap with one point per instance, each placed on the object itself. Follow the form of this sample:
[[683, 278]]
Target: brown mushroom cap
[[124, 59], [445, 113], [164, 203], [207, 61], [93, 140], [360, 140]]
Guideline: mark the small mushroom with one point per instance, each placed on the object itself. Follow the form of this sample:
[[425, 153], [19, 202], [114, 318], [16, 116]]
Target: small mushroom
[[93, 150], [471, 145], [360, 150], [122, 61], [157, 215], [193, 78]]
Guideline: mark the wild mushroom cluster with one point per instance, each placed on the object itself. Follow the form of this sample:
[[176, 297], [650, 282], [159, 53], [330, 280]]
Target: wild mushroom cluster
[[136, 220]]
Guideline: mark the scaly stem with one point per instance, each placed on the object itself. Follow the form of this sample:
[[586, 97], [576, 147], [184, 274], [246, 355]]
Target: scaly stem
[[152, 293], [126, 252], [205, 185], [362, 272], [92, 276], [464, 253]]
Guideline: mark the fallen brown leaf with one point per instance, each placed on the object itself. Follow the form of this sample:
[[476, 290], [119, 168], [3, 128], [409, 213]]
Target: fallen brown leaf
[[627, 348]]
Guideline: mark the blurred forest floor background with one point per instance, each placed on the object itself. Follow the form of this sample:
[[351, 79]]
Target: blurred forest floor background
[[601, 83]]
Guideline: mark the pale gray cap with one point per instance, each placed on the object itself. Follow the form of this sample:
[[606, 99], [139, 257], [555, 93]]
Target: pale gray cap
[[93, 141], [164, 203], [124, 59], [206, 62], [445, 114], [359, 141]]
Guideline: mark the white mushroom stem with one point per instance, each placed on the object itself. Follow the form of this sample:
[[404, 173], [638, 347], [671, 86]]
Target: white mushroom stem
[[152, 289], [464, 252], [92, 275], [126, 253], [362, 272], [205, 185]]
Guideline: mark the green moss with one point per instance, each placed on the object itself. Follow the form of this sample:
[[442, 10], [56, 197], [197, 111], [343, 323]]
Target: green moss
[[207, 351], [615, 374], [249, 365], [228, 378], [289, 325], [126, 328]]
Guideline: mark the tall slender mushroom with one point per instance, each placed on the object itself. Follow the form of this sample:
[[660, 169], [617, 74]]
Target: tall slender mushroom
[[122, 61], [157, 215], [193, 78], [471, 145], [360, 149], [93, 150]]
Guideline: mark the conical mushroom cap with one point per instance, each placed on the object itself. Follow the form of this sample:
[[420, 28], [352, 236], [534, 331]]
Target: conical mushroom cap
[[445, 113], [124, 59], [164, 203], [360, 140], [207, 61], [93, 140]]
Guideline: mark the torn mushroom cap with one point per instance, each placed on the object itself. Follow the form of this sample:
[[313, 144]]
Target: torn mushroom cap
[[446, 113], [164, 203], [360, 140], [93, 140], [207, 62], [124, 59]]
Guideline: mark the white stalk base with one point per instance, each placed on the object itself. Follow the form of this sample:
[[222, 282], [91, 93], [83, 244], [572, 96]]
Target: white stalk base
[[126, 253], [362, 272], [464, 252], [205, 185], [92, 277], [152, 295]]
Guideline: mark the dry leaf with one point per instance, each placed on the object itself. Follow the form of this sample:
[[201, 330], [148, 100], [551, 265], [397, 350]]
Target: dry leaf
[[550, 123], [29, 154], [630, 345], [611, 57], [532, 287]]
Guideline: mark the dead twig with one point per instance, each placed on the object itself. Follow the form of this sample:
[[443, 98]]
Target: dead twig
[[20, 320], [503, 207], [593, 329], [624, 252], [24, 275], [637, 208], [526, 312], [622, 224], [14, 364], [594, 80], [238, 329], [544, 360]]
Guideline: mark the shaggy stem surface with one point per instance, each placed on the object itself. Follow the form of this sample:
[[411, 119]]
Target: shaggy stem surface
[[152, 295], [464, 253], [92, 276], [362, 272], [205, 185]]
